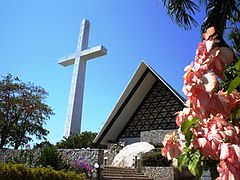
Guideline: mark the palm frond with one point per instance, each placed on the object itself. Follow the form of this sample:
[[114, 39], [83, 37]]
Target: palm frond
[[234, 16], [181, 12], [234, 37], [203, 2], [219, 12]]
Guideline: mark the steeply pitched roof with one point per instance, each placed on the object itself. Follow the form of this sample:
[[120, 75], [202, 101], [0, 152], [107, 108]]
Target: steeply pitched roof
[[137, 89]]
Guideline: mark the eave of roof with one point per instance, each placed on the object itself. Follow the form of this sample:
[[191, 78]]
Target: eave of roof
[[135, 82]]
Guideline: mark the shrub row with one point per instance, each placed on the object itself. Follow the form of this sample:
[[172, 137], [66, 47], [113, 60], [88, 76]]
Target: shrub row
[[21, 172], [154, 158]]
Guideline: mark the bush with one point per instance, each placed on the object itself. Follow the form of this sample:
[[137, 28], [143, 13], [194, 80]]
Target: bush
[[154, 158], [21, 172], [49, 156], [82, 165]]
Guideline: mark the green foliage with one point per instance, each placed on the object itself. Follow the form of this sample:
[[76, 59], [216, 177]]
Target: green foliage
[[196, 163], [77, 141], [236, 81], [49, 156], [185, 129], [234, 37], [191, 158], [154, 158], [233, 85], [42, 144], [189, 124], [229, 74], [218, 12], [20, 172], [181, 12], [194, 160], [234, 118], [22, 112]]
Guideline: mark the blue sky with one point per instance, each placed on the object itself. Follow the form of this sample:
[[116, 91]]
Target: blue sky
[[35, 34]]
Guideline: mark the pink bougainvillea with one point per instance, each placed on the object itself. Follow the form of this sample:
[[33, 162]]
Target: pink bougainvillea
[[212, 132]]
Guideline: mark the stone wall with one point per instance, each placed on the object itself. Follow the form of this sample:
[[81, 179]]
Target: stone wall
[[170, 173], [159, 173], [154, 136], [14, 155], [92, 155], [109, 153]]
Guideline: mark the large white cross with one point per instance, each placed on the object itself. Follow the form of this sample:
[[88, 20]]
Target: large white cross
[[83, 53]]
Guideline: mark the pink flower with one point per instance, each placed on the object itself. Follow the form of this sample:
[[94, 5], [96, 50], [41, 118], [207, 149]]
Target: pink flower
[[219, 57], [210, 37], [222, 103], [229, 166], [234, 99], [172, 148], [204, 146], [185, 114], [210, 135], [214, 135], [208, 82], [225, 173], [209, 33], [201, 53], [208, 148], [232, 134]]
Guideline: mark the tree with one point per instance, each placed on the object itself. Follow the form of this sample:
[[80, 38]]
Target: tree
[[77, 141], [49, 156], [223, 15], [23, 112], [218, 12]]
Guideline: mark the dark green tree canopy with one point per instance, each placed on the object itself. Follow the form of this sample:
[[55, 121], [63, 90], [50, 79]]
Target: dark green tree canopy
[[23, 112], [218, 12], [223, 15], [77, 141]]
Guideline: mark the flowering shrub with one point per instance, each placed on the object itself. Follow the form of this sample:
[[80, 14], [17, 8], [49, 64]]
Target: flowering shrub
[[21, 172], [210, 121], [82, 165]]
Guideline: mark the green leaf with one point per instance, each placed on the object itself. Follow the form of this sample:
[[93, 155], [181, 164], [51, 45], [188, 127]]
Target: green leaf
[[188, 137], [186, 126], [192, 166], [182, 160], [237, 112], [233, 85], [237, 65]]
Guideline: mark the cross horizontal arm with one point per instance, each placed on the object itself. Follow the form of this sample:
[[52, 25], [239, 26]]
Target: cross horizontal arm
[[67, 60], [93, 52], [87, 54]]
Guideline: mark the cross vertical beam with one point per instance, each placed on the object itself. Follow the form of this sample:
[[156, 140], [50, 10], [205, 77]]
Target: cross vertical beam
[[79, 59]]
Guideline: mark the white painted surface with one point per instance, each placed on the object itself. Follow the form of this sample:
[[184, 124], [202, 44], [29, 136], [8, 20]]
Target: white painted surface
[[125, 158], [83, 53]]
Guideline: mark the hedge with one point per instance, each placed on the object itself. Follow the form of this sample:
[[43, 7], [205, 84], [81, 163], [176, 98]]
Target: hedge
[[21, 172], [154, 158]]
